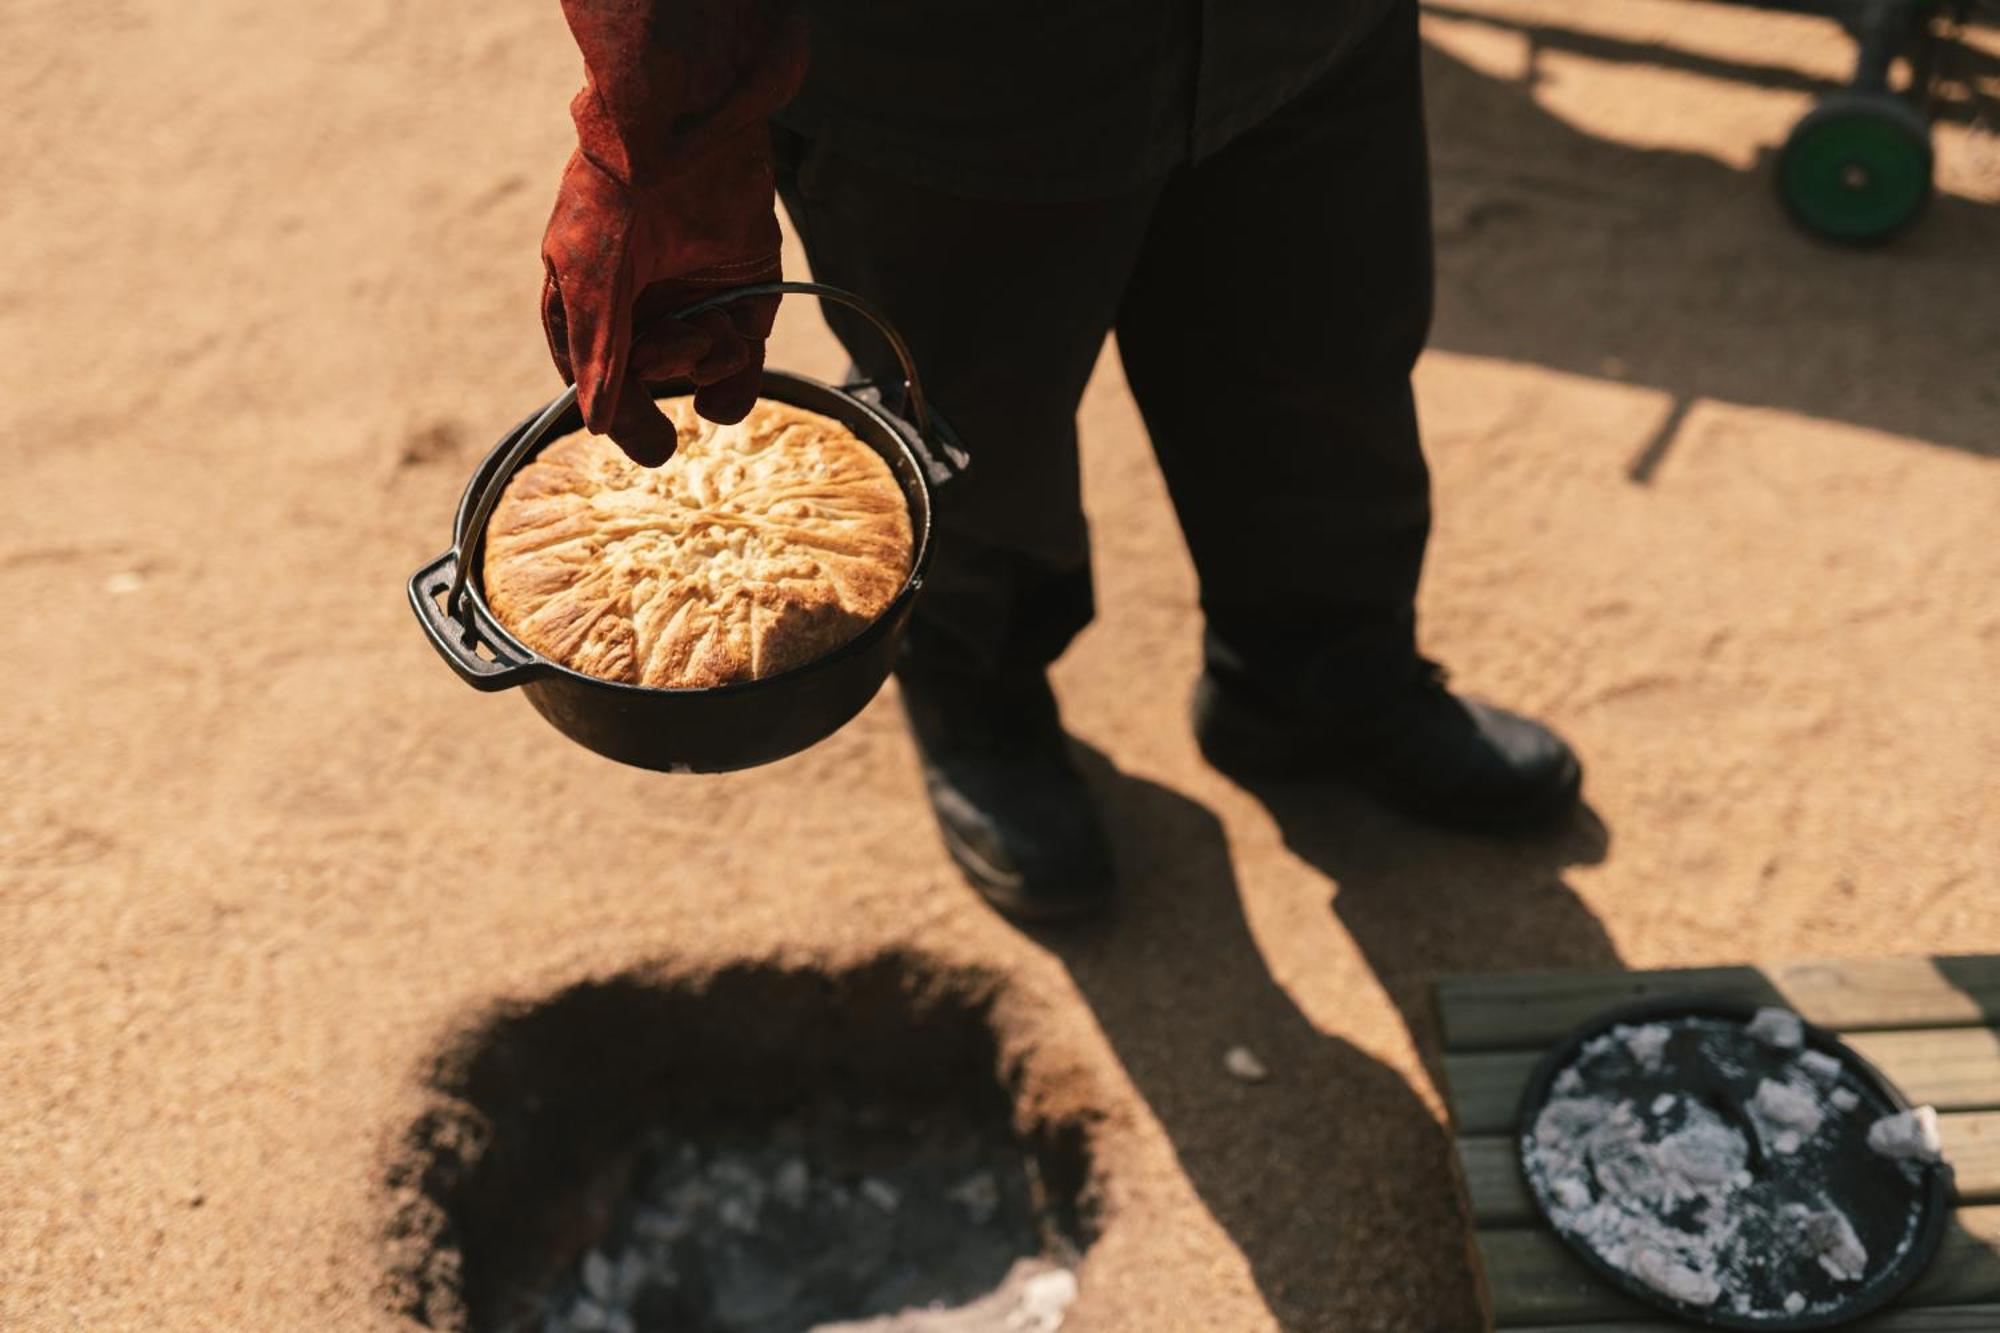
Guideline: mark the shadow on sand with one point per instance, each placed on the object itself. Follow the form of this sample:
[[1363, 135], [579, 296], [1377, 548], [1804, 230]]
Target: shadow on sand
[[1677, 271], [1421, 903], [1333, 1178]]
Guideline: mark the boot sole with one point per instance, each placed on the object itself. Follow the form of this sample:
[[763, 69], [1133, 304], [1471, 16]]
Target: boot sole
[[1004, 893], [1237, 742]]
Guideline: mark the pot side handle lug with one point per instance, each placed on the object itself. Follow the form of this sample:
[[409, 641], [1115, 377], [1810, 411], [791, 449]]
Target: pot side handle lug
[[938, 450], [458, 641]]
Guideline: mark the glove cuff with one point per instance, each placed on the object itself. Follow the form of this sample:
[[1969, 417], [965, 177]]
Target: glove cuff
[[666, 95]]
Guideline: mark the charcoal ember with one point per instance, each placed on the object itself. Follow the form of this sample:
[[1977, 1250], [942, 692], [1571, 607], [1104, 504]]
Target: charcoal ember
[[839, 1213]]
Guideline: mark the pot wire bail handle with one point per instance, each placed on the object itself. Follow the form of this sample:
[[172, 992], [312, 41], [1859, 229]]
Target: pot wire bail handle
[[920, 415], [530, 433]]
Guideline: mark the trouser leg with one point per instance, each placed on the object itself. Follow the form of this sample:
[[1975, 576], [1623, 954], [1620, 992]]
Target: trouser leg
[[1005, 307], [1268, 333]]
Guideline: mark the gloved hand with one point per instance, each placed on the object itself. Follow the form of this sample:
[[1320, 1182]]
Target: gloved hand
[[668, 197]]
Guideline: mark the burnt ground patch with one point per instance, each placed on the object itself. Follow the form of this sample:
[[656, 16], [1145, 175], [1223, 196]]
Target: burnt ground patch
[[669, 1117]]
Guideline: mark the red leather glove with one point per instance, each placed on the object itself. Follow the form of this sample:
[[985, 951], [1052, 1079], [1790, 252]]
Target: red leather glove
[[668, 197]]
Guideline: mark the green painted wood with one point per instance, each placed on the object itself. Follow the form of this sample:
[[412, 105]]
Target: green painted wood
[[1532, 1278], [1534, 1009], [1489, 1166], [1953, 1069]]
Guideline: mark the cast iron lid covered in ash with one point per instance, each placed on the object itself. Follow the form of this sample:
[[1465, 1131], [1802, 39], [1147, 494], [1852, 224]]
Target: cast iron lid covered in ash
[[698, 730], [1713, 1159]]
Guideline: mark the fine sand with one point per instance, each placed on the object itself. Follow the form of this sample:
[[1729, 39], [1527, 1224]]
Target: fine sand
[[1719, 502]]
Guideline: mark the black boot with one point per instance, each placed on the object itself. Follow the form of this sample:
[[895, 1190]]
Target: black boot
[[1014, 810], [1394, 730]]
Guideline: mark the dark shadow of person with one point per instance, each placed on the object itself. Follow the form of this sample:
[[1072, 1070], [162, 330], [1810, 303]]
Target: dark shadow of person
[[1421, 903], [1332, 1177]]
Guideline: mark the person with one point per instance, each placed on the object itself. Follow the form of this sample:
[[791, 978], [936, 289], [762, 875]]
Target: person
[[1238, 192]]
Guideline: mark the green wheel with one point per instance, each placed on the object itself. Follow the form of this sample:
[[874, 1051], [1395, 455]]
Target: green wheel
[[1857, 168]]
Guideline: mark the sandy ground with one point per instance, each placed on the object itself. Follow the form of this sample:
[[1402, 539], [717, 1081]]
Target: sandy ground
[[1719, 502]]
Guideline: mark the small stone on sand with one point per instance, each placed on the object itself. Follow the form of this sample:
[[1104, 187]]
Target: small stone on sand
[[1243, 1066]]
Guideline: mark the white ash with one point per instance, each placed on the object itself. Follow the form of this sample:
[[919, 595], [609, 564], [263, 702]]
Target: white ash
[[1794, 1302], [1844, 1099], [598, 1276], [1664, 1103], [1647, 1044], [979, 1195], [1576, 1141], [738, 1214], [1820, 1067], [791, 1183], [1047, 1298], [1033, 1298], [1777, 1027], [657, 1225], [1787, 1114], [1572, 1192], [630, 1277], [845, 1215], [1705, 1152], [1908, 1136], [1827, 1235], [1663, 1271]]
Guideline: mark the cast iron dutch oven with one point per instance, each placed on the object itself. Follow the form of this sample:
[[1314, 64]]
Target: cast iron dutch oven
[[707, 730], [1874, 1191]]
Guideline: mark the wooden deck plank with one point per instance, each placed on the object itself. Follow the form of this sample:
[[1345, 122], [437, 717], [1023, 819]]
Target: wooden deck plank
[[1954, 1319], [1520, 1010], [1953, 1069], [1532, 1278], [1488, 1165]]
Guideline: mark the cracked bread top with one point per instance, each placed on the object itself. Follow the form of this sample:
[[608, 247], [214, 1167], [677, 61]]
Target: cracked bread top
[[756, 548]]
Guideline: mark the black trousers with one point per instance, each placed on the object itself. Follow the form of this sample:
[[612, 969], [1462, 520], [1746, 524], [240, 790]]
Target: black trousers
[[1269, 304]]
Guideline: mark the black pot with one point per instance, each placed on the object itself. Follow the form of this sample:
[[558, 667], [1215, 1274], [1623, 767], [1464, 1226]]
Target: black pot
[[707, 730], [1856, 1180]]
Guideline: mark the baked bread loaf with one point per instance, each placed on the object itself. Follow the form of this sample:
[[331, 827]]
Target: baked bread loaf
[[757, 548]]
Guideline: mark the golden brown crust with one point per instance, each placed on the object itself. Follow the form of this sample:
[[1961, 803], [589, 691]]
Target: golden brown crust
[[759, 547]]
